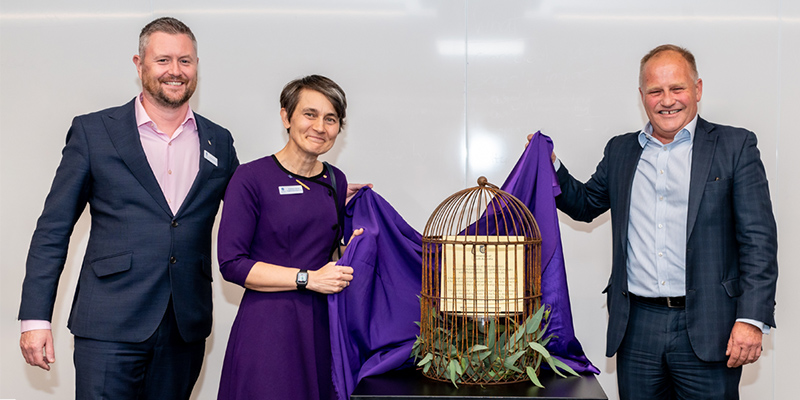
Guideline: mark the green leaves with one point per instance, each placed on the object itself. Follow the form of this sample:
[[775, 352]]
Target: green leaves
[[557, 363], [494, 349], [454, 370], [539, 349], [425, 360], [532, 375]]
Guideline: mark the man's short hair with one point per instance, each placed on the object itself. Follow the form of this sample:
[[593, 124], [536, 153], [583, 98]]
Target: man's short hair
[[290, 95], [166, 25], [686, 54]]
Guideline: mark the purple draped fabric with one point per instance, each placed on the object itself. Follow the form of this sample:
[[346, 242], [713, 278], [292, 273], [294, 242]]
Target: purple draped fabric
[[372, 321], [533, 181]]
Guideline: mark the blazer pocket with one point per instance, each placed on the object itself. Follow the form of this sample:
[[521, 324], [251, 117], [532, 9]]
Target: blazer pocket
[[732, 287], [608, 286], [719, 183], [112, 264]]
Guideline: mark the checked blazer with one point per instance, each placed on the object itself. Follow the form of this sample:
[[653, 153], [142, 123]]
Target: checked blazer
[[731, 238], [139, 255]]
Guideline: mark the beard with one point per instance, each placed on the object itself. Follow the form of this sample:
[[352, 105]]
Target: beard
[[154, 88]]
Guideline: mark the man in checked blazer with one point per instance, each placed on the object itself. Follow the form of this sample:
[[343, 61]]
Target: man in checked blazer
[[153, 173], [694, 268]]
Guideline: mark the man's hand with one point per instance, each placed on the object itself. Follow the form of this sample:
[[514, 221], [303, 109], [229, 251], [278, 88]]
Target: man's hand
[[552, 155], [744, 345], [352, 189], [37, 348]]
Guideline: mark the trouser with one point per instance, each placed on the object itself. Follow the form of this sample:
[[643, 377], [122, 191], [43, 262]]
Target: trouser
[[162, 367], [656, 360]]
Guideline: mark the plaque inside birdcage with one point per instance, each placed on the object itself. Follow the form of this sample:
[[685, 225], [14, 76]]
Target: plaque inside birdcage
[[482, 321], [482, 274]]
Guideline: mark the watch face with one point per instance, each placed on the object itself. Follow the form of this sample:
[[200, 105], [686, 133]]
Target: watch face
[[302, 277]]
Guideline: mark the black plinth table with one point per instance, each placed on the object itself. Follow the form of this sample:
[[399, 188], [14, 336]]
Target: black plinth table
[[410, 384]]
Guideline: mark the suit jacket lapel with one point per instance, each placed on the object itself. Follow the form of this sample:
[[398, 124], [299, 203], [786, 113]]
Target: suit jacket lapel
[[207, 150], [705, 140], [631, 153], [122, 130]]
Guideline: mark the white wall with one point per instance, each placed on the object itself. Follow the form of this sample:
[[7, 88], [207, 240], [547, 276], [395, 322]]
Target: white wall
[[424, 121]]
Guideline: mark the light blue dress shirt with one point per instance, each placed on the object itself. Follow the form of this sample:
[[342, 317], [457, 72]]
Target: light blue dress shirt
[[658, 214]]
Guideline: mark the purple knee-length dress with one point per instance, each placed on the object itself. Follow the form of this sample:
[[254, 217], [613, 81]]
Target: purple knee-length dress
[[279, 346]]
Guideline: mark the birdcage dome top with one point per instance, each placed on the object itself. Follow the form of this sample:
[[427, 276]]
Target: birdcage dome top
[[480, 211]]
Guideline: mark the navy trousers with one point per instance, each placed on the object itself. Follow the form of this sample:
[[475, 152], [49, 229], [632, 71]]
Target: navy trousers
[[656, 360], [162, 367]]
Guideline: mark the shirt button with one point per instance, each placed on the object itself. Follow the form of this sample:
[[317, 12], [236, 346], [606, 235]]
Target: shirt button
[[663, 283], [660, 254], [169, 172], [661, 197], [662, 172], [660, 226], [173, 260]]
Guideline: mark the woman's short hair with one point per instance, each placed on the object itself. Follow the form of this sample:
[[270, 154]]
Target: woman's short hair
[[290, 95]]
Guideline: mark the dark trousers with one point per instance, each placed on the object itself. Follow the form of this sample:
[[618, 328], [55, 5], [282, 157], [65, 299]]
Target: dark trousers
[[656, 360], [161, 367]]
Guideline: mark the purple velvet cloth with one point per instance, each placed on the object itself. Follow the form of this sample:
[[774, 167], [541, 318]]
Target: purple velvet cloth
[[372, 321], [533, 181]]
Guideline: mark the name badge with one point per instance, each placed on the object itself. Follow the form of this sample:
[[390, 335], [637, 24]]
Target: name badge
[[295, 189], [210, 157]]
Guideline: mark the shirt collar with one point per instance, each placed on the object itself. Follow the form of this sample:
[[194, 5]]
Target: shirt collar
[[687, 133], [143, 119]]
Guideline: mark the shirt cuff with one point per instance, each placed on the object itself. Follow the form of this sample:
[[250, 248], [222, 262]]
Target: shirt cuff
[[758, 324], [33, 324], [557, 164]]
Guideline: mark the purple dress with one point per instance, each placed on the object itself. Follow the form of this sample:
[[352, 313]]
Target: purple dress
[[279, 346]]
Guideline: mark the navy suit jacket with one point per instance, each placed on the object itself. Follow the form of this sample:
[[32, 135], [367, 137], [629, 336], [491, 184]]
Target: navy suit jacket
[[139, 254], [731, 250]]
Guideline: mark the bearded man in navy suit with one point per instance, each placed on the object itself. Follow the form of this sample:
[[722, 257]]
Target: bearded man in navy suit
[[153, 174], [694, 269]]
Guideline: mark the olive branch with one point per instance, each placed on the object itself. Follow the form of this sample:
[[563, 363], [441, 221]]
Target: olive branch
[[489, 358]]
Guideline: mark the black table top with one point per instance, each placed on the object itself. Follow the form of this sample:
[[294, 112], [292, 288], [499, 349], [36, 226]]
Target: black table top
[[411, 384]]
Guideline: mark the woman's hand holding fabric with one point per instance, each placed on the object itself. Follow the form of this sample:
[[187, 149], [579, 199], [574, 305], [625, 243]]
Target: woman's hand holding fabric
[[330, 279]]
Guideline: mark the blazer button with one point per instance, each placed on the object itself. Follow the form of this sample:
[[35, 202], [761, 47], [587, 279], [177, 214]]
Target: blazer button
[[173, 260], [174, 223]]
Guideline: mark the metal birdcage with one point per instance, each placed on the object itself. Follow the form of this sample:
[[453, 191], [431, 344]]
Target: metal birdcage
[[481, 286]]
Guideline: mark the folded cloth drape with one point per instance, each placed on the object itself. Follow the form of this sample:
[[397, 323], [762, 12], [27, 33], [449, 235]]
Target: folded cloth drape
[[372, 322], [534, 182]]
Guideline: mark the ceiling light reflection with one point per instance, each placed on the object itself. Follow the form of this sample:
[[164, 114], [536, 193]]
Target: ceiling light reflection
[[481, 47]]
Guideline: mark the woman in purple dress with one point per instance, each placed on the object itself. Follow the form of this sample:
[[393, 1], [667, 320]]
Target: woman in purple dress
[[281, 224]]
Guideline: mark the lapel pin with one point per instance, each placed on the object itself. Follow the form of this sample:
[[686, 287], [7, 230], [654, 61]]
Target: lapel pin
[[209, 142]]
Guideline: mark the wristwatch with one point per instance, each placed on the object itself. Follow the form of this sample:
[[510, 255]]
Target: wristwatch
[[302, 279]]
